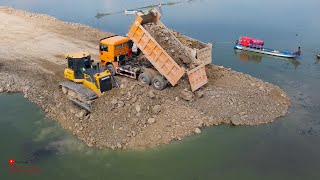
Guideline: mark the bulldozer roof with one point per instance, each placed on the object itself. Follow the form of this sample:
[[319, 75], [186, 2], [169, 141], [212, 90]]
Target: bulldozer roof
[[77, 55], [115, 40]]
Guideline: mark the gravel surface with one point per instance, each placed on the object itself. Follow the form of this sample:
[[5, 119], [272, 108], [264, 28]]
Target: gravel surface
[[32, 46]]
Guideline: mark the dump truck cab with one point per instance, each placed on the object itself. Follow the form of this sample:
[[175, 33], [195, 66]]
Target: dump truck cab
[[113, 48], [114, 57]]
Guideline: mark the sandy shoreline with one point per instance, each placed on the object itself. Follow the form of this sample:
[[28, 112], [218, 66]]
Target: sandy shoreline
[[32, 46]]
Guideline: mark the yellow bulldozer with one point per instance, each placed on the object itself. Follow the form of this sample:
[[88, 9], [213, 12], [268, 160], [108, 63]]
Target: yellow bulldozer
[[86, 81]]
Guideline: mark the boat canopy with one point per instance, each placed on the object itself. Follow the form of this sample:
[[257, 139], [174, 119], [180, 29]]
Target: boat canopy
[[247, 41]]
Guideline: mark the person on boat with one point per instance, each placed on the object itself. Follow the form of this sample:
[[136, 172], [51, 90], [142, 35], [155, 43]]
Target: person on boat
[[298, 52], [287, 52]]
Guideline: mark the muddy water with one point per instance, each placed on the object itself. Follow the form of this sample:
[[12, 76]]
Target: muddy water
[[286, 149]]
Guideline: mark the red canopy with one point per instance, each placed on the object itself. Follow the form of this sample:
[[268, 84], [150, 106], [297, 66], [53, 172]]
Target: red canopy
[[247, 41]]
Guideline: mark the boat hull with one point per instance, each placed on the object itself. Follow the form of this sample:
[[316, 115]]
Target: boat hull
[[278, 54], [130, 12]]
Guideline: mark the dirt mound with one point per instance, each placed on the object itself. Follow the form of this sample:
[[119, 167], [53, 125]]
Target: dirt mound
[[193, 44], [133, 115], [169, 44]]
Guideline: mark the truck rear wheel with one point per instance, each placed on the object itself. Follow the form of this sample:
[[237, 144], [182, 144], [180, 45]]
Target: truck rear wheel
[[111, 69], [159, 83], [145, 78]]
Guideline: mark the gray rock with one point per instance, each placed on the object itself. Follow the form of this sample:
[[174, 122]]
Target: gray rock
[[186, 95], [151, 94], [200, 123], [114, 101], [242, 113], [88, 116], [143, 121], [133, 100], [124, 83], [121, 104], [156, 109], [133, 133], [1, 89], [151, 120], [72, 111], [199, 94], [119, 146], [235, 120], [138, 108], [197, 131], [8, 86], [135, 120], [81, 114], [133, 86]]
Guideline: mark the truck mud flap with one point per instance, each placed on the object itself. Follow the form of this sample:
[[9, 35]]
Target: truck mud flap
[[197, 77]]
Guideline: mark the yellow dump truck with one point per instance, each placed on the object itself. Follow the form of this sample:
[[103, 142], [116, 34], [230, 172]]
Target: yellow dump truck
[[167, 62]]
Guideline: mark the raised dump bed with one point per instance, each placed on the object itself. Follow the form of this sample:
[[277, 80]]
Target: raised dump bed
[[165, 52], [198, 49]]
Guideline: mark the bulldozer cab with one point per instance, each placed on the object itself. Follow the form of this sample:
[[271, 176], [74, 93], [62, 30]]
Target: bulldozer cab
[[79, 62], [114, 48]]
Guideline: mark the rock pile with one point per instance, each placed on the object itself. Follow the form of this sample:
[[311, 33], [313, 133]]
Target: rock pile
[[133, 115]]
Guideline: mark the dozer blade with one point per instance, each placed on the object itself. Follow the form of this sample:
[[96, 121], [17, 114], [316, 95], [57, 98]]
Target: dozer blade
[[82, 105]]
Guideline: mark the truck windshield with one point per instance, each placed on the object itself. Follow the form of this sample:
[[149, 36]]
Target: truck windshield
[[103, 47]]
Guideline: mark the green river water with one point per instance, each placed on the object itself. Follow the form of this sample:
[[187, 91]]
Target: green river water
[[288, 149]]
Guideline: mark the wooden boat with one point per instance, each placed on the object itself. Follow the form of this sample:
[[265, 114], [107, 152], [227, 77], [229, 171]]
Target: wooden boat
[[130, 11], [267, 51], [255, 45], [258, 57]]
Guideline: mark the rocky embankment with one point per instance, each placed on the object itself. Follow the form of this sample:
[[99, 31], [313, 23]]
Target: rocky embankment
[[133, 115]]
